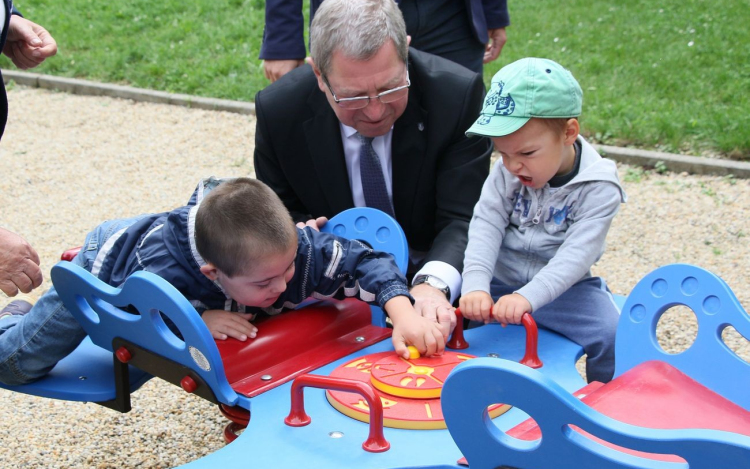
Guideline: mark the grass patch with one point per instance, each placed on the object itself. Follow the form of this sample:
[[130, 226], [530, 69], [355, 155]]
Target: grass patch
[[202, 47], [669, 75]]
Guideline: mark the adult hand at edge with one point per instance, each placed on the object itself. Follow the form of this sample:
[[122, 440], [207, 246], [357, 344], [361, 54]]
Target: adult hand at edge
[[275, 69], [495, 45], [19, 264], [28, 44]]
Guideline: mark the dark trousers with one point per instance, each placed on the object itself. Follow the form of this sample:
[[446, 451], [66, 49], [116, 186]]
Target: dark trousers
[[443, 27], [586, 314]]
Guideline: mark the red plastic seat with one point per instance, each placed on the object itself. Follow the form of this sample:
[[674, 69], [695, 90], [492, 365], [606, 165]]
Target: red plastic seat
[[298, 341], [657, 395]]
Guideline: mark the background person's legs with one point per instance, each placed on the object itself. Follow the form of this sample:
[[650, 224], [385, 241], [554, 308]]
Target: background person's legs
[[443, 27]]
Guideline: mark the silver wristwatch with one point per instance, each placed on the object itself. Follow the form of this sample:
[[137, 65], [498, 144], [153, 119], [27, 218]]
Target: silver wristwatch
[[434, 282]]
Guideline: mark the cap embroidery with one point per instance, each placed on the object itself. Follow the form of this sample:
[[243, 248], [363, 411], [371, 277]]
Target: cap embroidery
[[503, 105]]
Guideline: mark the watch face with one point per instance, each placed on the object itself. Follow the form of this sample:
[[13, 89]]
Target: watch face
[[436, 282]]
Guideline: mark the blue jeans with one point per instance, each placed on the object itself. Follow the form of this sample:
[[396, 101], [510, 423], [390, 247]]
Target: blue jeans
[[32, 344], [585, 313]]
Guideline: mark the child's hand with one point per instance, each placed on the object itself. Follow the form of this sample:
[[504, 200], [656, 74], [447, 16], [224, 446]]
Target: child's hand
[[476, 306], [223, 324], [409, 328], [510, 308]]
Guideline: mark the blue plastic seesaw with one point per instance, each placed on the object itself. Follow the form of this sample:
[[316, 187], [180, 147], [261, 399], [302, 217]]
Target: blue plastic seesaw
[[662, 410]]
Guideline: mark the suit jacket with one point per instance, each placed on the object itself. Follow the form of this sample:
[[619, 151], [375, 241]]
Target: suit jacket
[[7, 9], [438, 172], [283, 32]]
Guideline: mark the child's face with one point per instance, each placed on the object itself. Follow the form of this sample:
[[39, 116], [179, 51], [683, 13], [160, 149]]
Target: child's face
[[536, 153], [262, 285]]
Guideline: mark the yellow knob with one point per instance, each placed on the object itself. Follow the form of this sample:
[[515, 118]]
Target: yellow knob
[[413, 352]]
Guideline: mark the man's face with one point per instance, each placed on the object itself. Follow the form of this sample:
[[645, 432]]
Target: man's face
[[351, 78]]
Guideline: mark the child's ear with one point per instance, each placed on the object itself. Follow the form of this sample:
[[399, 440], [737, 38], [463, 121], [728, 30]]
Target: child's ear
[[572, 128], [210, 271]]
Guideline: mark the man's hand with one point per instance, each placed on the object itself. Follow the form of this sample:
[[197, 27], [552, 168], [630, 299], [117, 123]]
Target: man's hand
[[411, 329], [495, 46], [223, 324], [510, 308], [19, 264], [275, 69], [476, 306], [316, 224], [432, 305], [28, 44]]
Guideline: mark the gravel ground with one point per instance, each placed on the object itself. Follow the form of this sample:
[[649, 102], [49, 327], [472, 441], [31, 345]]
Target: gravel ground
[[72, 161]]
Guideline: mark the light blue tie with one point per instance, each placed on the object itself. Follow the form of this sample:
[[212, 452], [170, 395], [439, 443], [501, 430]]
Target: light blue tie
[[371, 175]]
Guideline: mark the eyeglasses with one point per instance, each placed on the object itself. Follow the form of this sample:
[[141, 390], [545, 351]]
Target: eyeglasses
[[386, 97]]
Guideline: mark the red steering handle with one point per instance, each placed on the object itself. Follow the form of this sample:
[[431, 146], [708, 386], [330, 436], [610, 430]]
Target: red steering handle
[[530, 358], [376, 442]]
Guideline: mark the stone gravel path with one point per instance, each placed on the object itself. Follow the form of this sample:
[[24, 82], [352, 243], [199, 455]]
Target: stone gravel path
[[70, 162]]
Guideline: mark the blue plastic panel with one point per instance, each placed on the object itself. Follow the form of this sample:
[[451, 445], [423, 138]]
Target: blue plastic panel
[[380, 231], [466, 394], [377, 228], [708, 361], [86, 375], [96, 306]]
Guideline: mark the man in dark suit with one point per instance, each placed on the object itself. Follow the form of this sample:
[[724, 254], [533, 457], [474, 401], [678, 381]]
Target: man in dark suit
[[469, 32], [27, 44], [364, 87]]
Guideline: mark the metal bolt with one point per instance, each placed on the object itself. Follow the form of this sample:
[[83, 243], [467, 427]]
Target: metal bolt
[[336, 434], [359, 338], [83, 378], [493, 355], [266, 377]]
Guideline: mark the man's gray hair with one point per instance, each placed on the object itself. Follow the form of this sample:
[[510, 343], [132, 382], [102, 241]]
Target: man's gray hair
[[357, 29]]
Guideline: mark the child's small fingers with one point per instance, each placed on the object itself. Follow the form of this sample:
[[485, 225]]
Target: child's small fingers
[[399, 345], [239, 335], [487, 315]]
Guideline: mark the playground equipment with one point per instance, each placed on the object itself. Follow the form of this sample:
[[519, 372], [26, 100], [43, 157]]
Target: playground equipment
[[293, 389]]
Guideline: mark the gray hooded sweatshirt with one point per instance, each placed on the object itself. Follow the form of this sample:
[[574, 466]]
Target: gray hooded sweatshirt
[[541, 240]]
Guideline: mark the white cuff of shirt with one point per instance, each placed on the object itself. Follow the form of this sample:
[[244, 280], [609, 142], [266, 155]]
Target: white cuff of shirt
[[445, 272]]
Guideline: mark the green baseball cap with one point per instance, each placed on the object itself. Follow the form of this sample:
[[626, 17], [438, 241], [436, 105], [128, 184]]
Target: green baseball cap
[[527, 88]]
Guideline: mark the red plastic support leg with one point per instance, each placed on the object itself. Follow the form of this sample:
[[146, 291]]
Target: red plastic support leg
[[376, 442], [239, 419], [457, 341]]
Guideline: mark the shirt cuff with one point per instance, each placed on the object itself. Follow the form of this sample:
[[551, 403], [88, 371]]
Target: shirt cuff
[[445, 272]]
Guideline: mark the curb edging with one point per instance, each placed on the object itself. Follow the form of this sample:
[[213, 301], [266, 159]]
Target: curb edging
[[676, 163], [92, 88], [672, 162]]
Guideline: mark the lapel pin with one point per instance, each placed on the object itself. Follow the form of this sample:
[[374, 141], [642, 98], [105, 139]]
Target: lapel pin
[[420, 126]]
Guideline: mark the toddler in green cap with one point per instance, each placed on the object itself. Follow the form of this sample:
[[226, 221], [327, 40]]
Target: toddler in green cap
[[543, 216]]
